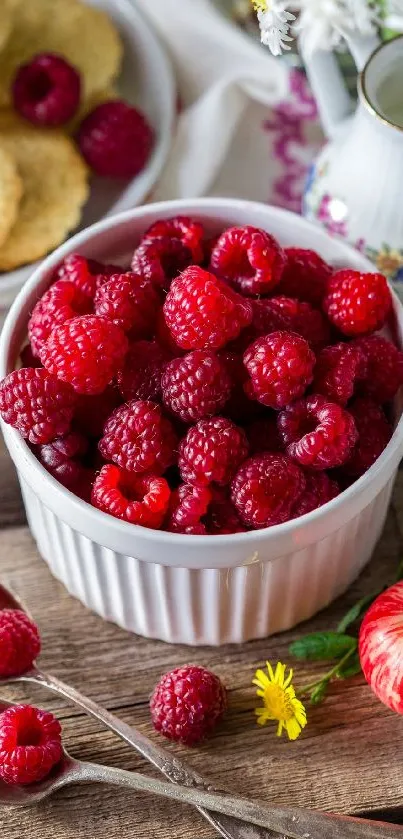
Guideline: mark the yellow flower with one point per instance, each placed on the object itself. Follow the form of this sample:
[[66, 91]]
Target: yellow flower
[[261, 5], [389, 262], [279, 701]]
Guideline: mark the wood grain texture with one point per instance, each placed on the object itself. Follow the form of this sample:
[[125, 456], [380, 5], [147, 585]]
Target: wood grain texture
[[348, 759]]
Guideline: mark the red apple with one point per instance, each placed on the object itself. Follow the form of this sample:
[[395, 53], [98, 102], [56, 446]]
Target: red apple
[[381, 647]]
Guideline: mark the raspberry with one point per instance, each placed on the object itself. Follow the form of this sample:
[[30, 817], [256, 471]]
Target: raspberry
[[187, 230], [337, 370], [130, 301], [116, 140], [284, 313], [164, 337], [35, 403], [357, 303], [263, 435], [138, 437], [161, 260], [211, 452], [318, 434], [249, 258], [319, 489], [86, 352], [62, 302], [30, 744], [280, 367], [204, 313], [62, 459], [238, 407], [28, 359], [222, 517], [20, 643], [187, 507], [140, 377], [383, 374], [46, 91], [374, 433], [138, 499], [265, 489], [86, 274], [187, 704], [92, 411], [195, 386], [305, 276]]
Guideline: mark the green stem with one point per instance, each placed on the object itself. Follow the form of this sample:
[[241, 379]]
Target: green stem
[[328, 676]]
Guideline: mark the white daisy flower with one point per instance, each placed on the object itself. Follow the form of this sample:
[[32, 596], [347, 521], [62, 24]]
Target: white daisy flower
[[394, 15], [274, 22], [364, 16], [319, 23]]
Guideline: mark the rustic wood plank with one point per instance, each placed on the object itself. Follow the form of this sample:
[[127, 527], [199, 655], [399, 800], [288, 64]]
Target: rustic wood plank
[[11, 508]]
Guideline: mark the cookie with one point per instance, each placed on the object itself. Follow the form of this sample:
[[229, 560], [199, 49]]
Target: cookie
[[10, 193], [55, 187], [7, 12], [82, 34]]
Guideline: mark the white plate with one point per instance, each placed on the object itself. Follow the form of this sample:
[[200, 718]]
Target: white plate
[[146, 81]]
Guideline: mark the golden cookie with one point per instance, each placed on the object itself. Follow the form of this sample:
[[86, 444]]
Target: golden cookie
[[7, 12], [83, 35], [10, 193], [55, 187]]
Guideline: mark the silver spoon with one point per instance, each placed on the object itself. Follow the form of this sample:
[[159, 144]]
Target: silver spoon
[[294, 821]]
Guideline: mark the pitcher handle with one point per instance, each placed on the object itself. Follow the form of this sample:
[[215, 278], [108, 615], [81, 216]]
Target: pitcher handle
[[328, 87]]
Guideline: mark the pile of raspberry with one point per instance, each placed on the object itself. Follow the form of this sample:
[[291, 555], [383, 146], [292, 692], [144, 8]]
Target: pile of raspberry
[[212, 387]]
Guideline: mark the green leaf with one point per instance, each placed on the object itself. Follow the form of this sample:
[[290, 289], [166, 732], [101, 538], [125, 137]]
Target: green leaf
[[319, 693], [350, 668], [322, 646], [355, 612]]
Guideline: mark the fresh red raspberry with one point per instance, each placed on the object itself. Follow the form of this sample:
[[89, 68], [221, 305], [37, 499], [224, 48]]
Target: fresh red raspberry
[[138, 499], [263, 435], [222, 517], [86, 352], [92, 412], [46, 90], [284, 313], [62, 302], [374, 433], [265, 489], [187, 230], [249, 258], [384, 368], [130, 301], [28, 359], [196, 386], [211, 452], [86, 274], [238, 407], [187, 704], [319, 489], [62, 459], [338, 368], [204, 313], [188, 506], [318, 434], [116, 140], [280, 367], [357, 303], [30, 744], [305, 276], [164, 337], [161, 260], [138, 437], [140, 377], [20, 643], [39, 406]]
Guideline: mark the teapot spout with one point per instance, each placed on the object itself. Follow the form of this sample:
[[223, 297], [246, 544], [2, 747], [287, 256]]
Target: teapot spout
[[361, 47]]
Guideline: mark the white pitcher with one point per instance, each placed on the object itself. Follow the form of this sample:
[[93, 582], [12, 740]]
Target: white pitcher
[[355, 187]]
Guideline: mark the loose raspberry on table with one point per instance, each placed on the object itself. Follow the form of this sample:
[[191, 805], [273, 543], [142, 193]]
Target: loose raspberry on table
[[30, 744], [188, 506], [383, 374], [37, 404], [319, 489], [357, 303], [249, 258], [87, 352], [187, 230], [187, 704], [203, 312], [305, 276], [318, 434], [338, 369], [212, 451], [265, 488], [280, 367], [62, 459], [86, 274], [20, 643], [116, 140], [263, 435], [374, 433], [138, 499], [92, 412], [285, 313], [46, 90], [140, 377], [62, 302], [196, 386], [139, 438], [222, 517], [130, 301], [161, 260]]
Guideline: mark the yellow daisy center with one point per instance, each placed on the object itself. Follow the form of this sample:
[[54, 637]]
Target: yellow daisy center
[[261, 5], [278, 703]]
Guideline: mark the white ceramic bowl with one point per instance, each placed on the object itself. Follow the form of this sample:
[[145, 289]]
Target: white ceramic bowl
[[198, 589], [146, 81]]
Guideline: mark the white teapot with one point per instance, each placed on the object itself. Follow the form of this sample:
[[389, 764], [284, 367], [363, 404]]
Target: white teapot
[[355, 187]]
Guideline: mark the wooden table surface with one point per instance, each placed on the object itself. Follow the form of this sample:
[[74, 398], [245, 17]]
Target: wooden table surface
[[348, 758]]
